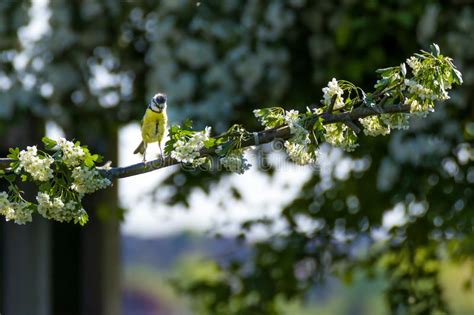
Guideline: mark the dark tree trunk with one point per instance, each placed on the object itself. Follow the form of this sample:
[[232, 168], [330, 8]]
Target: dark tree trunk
[[24, 249], [86, 260]]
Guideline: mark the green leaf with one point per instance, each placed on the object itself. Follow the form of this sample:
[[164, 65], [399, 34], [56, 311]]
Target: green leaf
[[210, 143], [89, 162], [386, 72], [174, 129], [14, 153], [225, 148], [49, 143], [44, 186], [169, 146], [270, 117], [82, 219], [188, 124], [421, 56], [435, 49], [10, 177], [24, 178], [457, 76]]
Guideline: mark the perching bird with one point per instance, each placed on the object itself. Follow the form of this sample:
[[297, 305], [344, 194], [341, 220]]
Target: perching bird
[[154, 124]]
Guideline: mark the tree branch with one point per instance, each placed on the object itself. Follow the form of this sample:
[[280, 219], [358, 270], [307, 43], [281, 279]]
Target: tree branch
[[261, 137], [5, 163]]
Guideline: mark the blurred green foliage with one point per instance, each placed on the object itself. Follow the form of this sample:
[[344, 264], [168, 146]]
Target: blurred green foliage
[[363, 296]]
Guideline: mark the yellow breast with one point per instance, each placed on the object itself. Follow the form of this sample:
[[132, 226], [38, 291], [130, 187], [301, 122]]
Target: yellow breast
[[154, 126]]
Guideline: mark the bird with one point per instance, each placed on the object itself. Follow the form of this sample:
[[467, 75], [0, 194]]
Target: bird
[[154, 124]]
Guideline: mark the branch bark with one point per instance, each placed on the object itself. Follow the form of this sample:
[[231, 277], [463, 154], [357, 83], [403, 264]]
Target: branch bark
[[261, 137]]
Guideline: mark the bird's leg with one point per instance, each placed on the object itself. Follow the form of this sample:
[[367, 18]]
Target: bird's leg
[[161, 152], [144, 151]]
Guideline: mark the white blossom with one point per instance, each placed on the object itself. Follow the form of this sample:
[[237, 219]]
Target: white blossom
[[267, 120], [297, 146], [20, 212], [235, 162], [396, 121], [373, 126], [299, 153], [418, 90], [56, 209], [184, 153], [299, 133], [339, 135], [23, 212], [419, 108], [72, 155], [38, 167], [414, 64], [291, 117], [188, 151], [6, 208], [318, 110], [332, 89], [87, 180]]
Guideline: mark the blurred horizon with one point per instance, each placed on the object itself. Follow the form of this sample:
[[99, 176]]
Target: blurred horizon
[[151, 266]]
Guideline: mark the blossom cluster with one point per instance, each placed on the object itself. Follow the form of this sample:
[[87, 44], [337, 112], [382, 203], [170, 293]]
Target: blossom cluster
[[88, 180], [427, 79], [333, 90], [299, 153], [415, 64], [396, 121], [374, 126], [298, 146], [298, 132], [63, 177], [38, 167], [20, 212], [433, 76], [55, 208], [421, 91], [340, 135], [73, 155], [235, 162], [187, 150]]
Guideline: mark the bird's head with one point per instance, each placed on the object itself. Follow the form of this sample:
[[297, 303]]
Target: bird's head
[[158, 103]]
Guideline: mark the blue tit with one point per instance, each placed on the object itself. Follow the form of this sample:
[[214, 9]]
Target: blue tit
[[154, 124]]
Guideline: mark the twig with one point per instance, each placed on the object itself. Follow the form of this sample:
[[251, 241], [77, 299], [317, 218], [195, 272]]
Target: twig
[[265, 136], [5, 163], [353, 126], [331, 105]]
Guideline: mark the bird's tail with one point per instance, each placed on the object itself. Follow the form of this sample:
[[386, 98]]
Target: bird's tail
[[140, 149]]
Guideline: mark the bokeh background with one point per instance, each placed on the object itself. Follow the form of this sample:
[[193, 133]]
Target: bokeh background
[[387, 229]]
